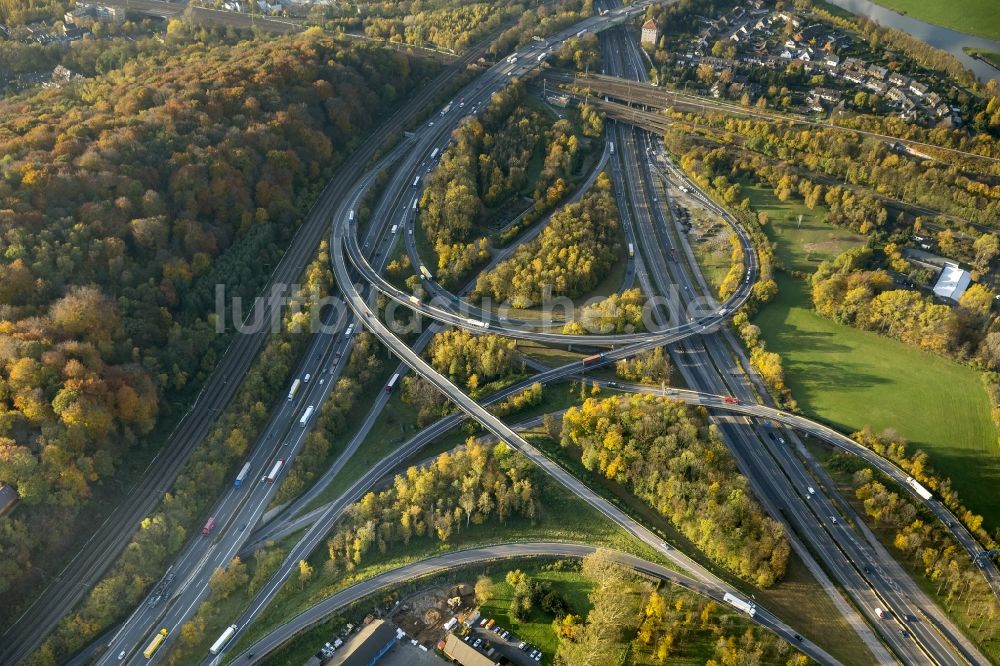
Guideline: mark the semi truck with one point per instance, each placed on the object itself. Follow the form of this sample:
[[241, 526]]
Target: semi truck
[[155, 644], [274, 471], [242, 475], [414, 300], [392, 383], [745, 606], [434, 154], [350, 216], [305, 416], [425, 273], [587, 360], [209, 526], [295, 389], [631, 250], [223, 639], [394, 229], [923, 492], [478, 324], [416, 181]]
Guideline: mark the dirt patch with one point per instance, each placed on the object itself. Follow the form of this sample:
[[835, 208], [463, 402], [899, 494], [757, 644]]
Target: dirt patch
[[423, 615]]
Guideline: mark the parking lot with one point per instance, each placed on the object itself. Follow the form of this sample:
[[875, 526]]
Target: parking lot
[[508, 647]]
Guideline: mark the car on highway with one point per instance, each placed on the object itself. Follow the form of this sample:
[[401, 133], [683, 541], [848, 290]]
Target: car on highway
[[121, 655], [833, 519]]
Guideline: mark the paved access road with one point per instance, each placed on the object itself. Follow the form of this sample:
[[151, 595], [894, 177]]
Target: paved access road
[[70, 585], [479, 556]]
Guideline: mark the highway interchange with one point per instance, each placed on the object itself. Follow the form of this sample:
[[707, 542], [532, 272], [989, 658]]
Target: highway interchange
[[709, 358]]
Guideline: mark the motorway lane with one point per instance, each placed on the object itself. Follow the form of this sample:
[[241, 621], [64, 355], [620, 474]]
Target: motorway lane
[[352, 302], [660, 270], [100, 551], [412, 170], [477, 556], [240, 510], [895, 589], [705, 365]]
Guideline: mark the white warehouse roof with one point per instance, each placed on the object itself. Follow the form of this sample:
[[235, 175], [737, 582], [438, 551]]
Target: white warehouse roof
[[952, 282]]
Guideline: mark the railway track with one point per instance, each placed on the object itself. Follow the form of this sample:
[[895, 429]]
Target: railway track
[[73, 582]]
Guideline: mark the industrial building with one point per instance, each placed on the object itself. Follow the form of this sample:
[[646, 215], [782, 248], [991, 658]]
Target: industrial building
[[367, 646], [952, 282]]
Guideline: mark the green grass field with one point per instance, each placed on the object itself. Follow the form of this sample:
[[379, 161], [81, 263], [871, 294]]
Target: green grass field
[[851, 378], [799, 245], [974, 17]]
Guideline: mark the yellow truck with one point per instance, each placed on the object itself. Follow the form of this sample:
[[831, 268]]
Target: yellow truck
[[155, 644]]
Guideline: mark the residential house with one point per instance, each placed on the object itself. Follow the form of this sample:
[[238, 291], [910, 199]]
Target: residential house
[[895, 94], [855, 64], [918, 89], [877, 71], [826, 94], [876, 86], [832, 59], [900, 80]]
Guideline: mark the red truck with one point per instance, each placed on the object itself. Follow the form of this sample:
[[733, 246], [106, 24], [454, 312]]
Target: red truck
[[209, 524], [730, 400]]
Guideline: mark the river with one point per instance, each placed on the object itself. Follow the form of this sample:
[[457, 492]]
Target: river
[[942, 38]]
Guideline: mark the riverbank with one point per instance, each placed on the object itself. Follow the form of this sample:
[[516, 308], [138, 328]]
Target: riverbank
[[956, 42], [990, 57], [973, 17]]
